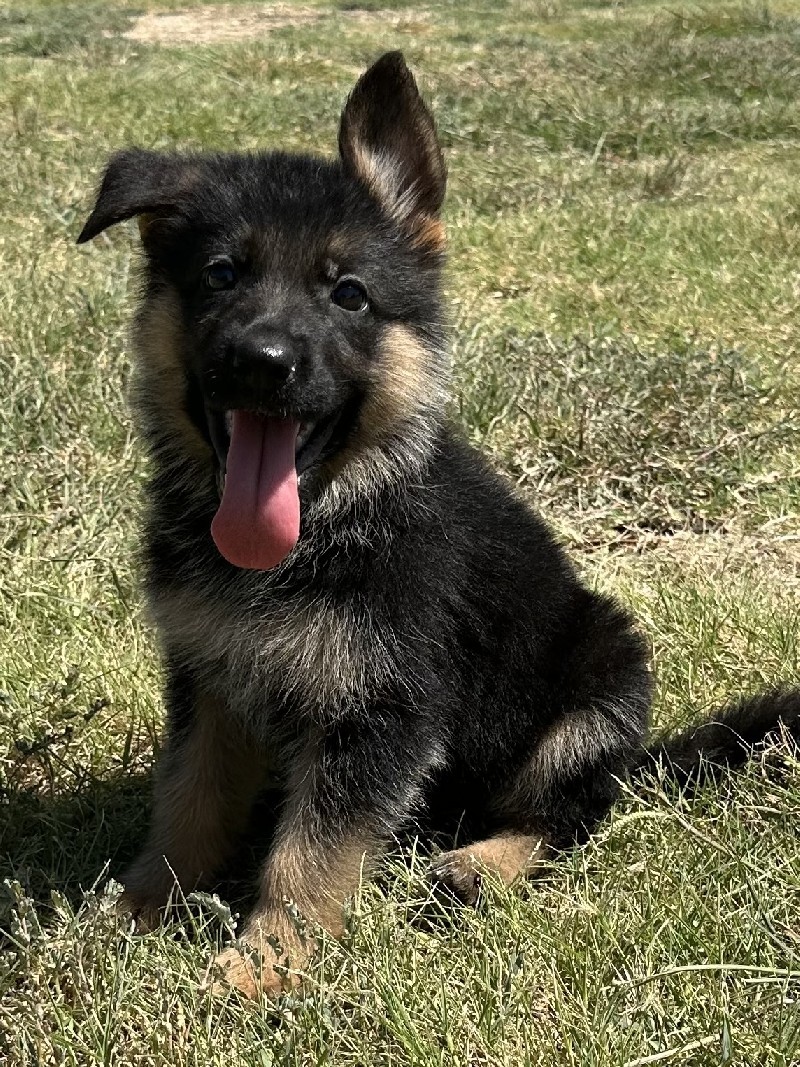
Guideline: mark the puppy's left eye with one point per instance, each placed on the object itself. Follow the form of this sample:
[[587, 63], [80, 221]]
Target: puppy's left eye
[[219, 275], [351, 296]]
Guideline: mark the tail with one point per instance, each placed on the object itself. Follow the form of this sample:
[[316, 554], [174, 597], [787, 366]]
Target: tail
[[727, 739]]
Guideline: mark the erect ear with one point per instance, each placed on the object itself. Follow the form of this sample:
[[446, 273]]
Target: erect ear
[[136, 182], [388, 141]]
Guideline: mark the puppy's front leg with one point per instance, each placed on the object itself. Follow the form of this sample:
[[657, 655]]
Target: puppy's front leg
[[350, 791], [205, 785]]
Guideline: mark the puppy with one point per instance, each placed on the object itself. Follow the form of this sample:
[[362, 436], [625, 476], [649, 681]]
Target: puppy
[[350, 602]]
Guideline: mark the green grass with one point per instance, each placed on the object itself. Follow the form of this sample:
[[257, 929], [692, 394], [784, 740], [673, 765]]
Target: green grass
[[624, 222]]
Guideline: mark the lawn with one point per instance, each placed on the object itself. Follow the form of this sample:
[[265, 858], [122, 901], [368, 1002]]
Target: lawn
[[624, 225]]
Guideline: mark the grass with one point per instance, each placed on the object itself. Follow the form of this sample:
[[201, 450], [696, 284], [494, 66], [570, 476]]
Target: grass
[[625, 225]]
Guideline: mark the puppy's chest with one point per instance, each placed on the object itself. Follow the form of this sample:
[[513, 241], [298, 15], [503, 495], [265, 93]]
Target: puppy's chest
[[319, 655]]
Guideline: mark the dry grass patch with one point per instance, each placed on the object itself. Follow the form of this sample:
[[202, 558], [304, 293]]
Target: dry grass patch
[[218, 25], [213, 24]]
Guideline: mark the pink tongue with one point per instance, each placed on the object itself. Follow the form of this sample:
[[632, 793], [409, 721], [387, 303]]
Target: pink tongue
[[258, 521]]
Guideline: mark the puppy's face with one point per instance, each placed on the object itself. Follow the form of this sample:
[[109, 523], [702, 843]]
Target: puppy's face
[[295, 301], [288, 280]]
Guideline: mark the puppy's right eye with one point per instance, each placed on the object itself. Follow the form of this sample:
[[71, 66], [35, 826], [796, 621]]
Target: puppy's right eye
[[350, 295], [219, 275]]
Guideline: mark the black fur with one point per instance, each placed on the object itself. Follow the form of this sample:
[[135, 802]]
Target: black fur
[[725, 740], [426, 652]]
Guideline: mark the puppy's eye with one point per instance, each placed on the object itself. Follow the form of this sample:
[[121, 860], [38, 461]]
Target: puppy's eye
[[351, 296], [219, 275]]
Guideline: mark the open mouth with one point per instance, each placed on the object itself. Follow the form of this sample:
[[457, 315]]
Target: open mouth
[[317, 438], [261, 461]]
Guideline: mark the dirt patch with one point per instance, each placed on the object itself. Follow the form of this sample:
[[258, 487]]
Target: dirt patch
[[218, 25], [213, 24]]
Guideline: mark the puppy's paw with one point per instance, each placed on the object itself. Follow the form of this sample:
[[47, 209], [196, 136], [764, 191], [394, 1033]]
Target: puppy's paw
[[146, 913], [254, 968], [151, 892], [459, 874]]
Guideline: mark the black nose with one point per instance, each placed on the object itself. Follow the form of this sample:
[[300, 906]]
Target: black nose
[[265, 356]]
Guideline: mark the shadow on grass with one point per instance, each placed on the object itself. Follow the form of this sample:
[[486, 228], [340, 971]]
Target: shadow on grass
[[78, 841], [69, 841]]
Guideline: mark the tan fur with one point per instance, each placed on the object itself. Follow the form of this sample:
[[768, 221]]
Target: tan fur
[[299, 883], [204, 791], [429, 234], [318, 882], [383, 175], [409, 380], [255, 969], [159, 383], [404, 401], [303, 880], [506, 856], [573, 741]]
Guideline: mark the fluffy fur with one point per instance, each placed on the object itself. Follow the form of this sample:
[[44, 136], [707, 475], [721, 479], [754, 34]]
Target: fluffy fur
[[426, 654]]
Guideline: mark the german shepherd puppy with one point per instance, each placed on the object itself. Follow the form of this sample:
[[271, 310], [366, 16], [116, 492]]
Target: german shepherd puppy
[[348, 598]]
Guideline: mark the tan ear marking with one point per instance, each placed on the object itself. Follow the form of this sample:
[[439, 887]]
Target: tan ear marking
[[429, 233]]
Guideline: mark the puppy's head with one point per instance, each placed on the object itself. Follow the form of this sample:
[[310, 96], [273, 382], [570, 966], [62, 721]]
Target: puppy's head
[[290, 341]]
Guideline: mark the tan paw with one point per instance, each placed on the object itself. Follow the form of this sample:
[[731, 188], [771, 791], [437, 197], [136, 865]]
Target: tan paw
[[506, 857], [254, 972]]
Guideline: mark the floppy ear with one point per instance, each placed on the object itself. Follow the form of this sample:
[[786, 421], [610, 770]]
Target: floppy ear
[[388, 141], [136, 182]]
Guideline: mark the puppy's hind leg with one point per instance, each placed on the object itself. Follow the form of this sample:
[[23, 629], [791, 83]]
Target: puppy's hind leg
[[570, 780], [506, 856], [558, 798]]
